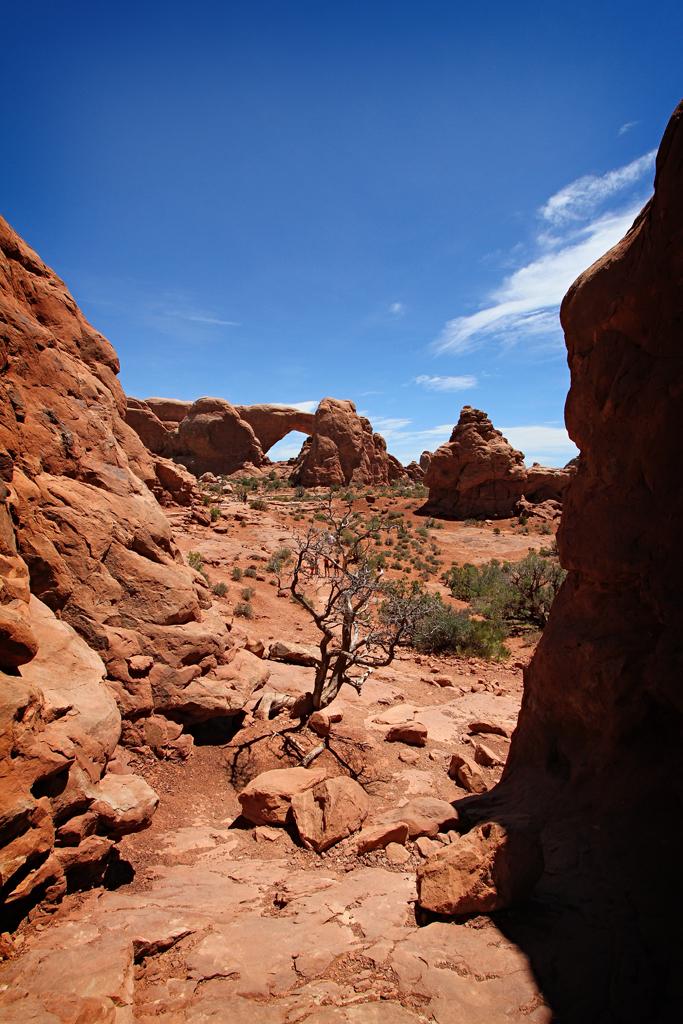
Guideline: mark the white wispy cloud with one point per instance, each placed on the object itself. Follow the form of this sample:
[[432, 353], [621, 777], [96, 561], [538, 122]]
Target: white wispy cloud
[[581, 198], [576, 226], [198, 317], [408, 444], [397, 309], [626, 127], [388, 426], [433, 383]]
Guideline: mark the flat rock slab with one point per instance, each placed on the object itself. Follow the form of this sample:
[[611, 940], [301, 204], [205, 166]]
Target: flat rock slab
[[261, 941]]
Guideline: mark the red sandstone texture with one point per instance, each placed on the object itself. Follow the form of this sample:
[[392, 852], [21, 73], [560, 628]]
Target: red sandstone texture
[[211, 435], [479, 474], [97, 608], [343, 449], [597, 760]]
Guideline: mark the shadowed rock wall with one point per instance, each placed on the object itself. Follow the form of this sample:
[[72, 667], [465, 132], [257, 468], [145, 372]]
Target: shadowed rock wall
[[596, 763]]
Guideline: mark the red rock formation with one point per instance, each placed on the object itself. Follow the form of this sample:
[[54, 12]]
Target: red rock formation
[[597, 760], [213, 438], [343, 449], [415, 471], [271, 423], [84, 524], [478, 473], [211, 435]]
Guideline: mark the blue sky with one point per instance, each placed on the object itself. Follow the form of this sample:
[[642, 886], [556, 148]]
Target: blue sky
[[273, 202]]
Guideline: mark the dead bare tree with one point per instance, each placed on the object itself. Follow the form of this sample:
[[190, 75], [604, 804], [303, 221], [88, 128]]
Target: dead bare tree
[[362, 618]]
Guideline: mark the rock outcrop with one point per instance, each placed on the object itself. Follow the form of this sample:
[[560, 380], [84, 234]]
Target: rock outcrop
[[343, 449], [488, 869], [84, 547], [271, 423], [479, 474], [211, 435], [597, 760]]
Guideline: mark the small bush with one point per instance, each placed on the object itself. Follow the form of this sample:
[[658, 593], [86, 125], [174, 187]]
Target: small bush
[[215, 513], [511, 593], [244, 610], [278, 560], [220, 589], [247, 593], [236, 573], [258, 504], [195, 560], [444, 629], [250, 572]]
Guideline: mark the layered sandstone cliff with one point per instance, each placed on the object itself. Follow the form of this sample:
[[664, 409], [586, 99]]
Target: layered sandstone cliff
[[478, 473]]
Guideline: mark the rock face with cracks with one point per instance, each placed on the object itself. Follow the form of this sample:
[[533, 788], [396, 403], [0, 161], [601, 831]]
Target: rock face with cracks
[[478, 473], [597, 761], [329, 812]]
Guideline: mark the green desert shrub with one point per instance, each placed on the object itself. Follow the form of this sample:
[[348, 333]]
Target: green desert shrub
[[278, 560], [220, 589], [509, 593], [195, 560], [244, 610], [444, 630]]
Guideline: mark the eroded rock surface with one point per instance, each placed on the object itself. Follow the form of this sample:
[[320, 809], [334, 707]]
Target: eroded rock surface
[[598, 744], [84, 546], [479, 474], [211, 435], [343, 449]]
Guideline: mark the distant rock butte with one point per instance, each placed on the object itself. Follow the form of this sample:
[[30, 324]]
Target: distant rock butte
[[478, 473], [212, 435]]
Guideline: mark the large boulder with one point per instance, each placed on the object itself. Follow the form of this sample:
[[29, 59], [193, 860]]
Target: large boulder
[[267, 799], [479, 473], [329, 812], [488, 869], [424, 816]]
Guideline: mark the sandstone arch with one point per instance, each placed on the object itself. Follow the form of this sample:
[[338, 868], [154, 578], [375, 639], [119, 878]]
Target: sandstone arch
[[212, 435]]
